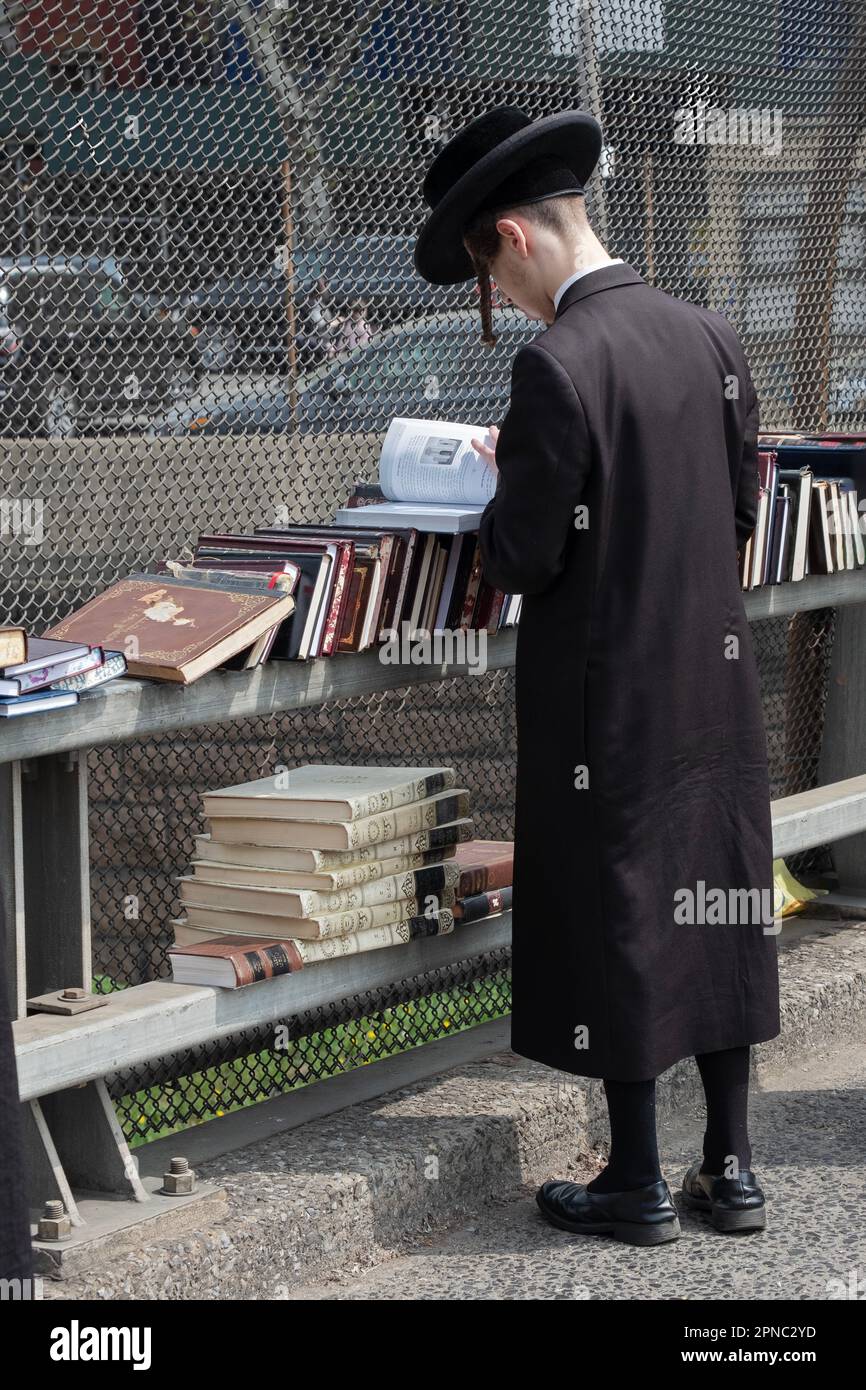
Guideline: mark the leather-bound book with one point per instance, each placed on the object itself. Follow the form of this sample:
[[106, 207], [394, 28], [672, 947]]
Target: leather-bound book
[[480, 905], [484, 864], [233, 961]]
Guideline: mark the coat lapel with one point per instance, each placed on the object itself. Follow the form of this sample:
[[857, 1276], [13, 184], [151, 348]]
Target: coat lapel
[[608, 278]]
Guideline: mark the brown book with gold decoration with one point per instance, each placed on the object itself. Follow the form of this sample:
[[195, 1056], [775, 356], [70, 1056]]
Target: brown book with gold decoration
[[175, 630]]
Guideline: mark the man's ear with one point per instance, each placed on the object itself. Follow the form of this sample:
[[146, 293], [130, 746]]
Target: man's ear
[[513, 232]]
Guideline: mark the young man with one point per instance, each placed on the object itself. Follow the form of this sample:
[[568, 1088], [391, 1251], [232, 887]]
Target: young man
[[627, 477]]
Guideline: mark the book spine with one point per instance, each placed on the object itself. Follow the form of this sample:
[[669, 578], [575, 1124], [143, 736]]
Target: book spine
[[386, 553], [405, 820], [495, 611], [480, 905], [471, 590], [265, 962], [63, 670], [439, 837], [422, 842], [339, 597], [404, 795], [378, 915], [416, 883], [373, 869], [431, 924], [391, 587], [408, 569], [349, 637], [481, 878], [114, 665], [394, 934]]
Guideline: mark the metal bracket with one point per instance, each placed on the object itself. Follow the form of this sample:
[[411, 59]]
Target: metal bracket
[[66, 1001]]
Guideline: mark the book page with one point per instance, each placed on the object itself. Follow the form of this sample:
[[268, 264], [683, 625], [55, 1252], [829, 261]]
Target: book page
[[433, 461]]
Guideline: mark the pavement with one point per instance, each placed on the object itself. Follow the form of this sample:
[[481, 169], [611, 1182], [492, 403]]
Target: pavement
[[808, 1131]]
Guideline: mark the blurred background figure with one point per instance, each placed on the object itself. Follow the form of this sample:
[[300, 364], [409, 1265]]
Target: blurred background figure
[[355, 331], [318, 324]]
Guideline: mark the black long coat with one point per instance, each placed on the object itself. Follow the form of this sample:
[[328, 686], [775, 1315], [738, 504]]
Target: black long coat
[[641, 750]]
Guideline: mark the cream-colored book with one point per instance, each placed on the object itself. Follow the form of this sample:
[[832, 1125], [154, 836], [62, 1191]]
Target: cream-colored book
[[229, 865], [370, 939], [369, 830], [329, 792], [240, 919], [293, 902], [405, 883], [441, 838]]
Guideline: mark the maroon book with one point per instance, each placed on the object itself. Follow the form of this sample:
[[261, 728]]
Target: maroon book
[[484, 865]]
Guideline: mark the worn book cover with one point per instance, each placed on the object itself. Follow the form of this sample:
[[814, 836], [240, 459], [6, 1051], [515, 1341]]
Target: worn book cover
[[170, 630]]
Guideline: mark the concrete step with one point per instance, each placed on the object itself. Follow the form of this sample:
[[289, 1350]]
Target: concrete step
[[808, 1131]]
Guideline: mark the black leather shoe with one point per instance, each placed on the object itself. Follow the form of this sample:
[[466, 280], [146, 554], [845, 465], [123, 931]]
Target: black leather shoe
[[732, 1204], [644, 1216]]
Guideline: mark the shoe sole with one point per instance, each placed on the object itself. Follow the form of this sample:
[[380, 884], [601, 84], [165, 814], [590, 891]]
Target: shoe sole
[[727, 1221], [631, 1232]]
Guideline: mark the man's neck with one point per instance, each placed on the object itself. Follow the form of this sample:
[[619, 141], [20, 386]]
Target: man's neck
[[586, 251]]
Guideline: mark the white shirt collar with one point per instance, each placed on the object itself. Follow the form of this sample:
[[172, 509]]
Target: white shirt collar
[[600, 265]]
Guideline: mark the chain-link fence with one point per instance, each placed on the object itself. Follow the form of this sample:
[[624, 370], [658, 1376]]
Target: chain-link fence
[[209, 314]]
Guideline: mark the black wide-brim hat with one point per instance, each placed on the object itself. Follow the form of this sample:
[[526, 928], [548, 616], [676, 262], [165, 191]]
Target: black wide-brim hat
[[500, 159]]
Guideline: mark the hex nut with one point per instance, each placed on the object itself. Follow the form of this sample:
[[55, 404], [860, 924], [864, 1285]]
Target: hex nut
[[180, 1180], [54, 1223]]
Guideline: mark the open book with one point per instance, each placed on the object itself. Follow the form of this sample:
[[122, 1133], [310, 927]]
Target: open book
[[433, 478]]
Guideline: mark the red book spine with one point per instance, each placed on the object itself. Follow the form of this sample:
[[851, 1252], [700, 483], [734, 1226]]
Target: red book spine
[[339, 598]]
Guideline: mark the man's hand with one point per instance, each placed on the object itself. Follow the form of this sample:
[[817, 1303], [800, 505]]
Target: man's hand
[[484, 450]]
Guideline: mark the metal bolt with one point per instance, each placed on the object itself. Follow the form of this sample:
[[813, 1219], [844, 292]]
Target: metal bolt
[[179, 1181], [73, 992], [54, 1224]]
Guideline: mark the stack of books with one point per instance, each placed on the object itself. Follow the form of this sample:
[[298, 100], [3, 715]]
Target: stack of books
[[316, 863], [811, 489], [38, 674]]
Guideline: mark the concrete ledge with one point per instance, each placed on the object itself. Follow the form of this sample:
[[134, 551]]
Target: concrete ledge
[[345, 1190]]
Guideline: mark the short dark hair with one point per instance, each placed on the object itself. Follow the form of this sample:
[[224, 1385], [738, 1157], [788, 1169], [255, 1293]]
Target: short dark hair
[[559, 214]]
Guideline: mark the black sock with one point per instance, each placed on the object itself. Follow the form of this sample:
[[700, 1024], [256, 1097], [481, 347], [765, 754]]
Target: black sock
[[725, 1076], [634, 1154]]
